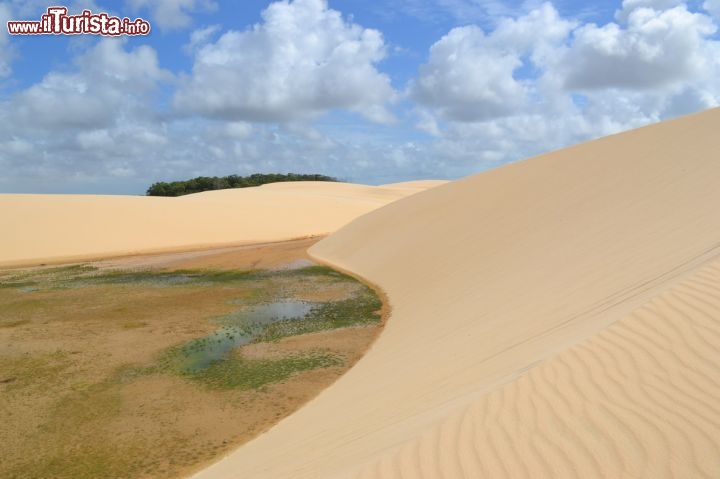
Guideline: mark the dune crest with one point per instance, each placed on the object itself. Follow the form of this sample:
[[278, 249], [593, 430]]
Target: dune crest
[[55, 228], [557, 317]]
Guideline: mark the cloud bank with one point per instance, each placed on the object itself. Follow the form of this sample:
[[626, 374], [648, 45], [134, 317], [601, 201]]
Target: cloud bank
[[308, 88], [300, 62]]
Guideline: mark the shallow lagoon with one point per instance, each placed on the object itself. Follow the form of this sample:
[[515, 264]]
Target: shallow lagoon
[[107, 361], [240, 328]]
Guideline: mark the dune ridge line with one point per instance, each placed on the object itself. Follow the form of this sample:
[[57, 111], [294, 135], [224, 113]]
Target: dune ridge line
[[557, 317]]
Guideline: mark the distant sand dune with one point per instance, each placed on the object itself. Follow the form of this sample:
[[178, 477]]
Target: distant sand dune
[[557, 317], [53, 228]]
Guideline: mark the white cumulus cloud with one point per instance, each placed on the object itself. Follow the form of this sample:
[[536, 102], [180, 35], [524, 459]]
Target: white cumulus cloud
[[538, 81], [200, 37], [301, 61], [107, 83], [713, 7], [172, 14], [467, 79], [275, 96], [7, 52], [95, 140], [472, 76], [628, 6], [657, 48]]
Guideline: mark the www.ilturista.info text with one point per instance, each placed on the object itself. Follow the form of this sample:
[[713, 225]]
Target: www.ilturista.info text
[[57, 22]]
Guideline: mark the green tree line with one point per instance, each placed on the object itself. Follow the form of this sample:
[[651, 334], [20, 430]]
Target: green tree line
[[207, 183]]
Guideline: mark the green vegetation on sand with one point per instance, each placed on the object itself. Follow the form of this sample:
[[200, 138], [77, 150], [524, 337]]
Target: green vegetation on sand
[[206, 183]]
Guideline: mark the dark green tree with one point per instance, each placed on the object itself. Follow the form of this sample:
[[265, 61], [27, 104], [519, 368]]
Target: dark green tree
[[205, 183]]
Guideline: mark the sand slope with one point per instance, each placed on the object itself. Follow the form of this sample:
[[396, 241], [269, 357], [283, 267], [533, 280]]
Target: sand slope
[[559, 317], [639, 399], [41, 228]]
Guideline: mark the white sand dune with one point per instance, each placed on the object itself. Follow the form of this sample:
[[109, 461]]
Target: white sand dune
[[52, 228], [639, 399], [558, 317]]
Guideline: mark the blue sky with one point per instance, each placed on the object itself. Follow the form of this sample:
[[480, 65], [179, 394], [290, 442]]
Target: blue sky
[[371, 92]]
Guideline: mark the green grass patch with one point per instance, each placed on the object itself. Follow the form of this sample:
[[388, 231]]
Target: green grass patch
[[317, 271], [234, 371], [75, 440], [14, 323], [44, 277], [100, 459], [78, 276], [134, 325], [167, 278], [237, 372], [17, 284], [362, 309], [33, 371]]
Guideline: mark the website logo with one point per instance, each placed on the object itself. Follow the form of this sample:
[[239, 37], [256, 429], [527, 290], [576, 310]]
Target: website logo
[[57, 22]]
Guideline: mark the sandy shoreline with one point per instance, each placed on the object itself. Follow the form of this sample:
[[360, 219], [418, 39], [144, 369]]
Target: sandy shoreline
[[160, 258], [66, 228]]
